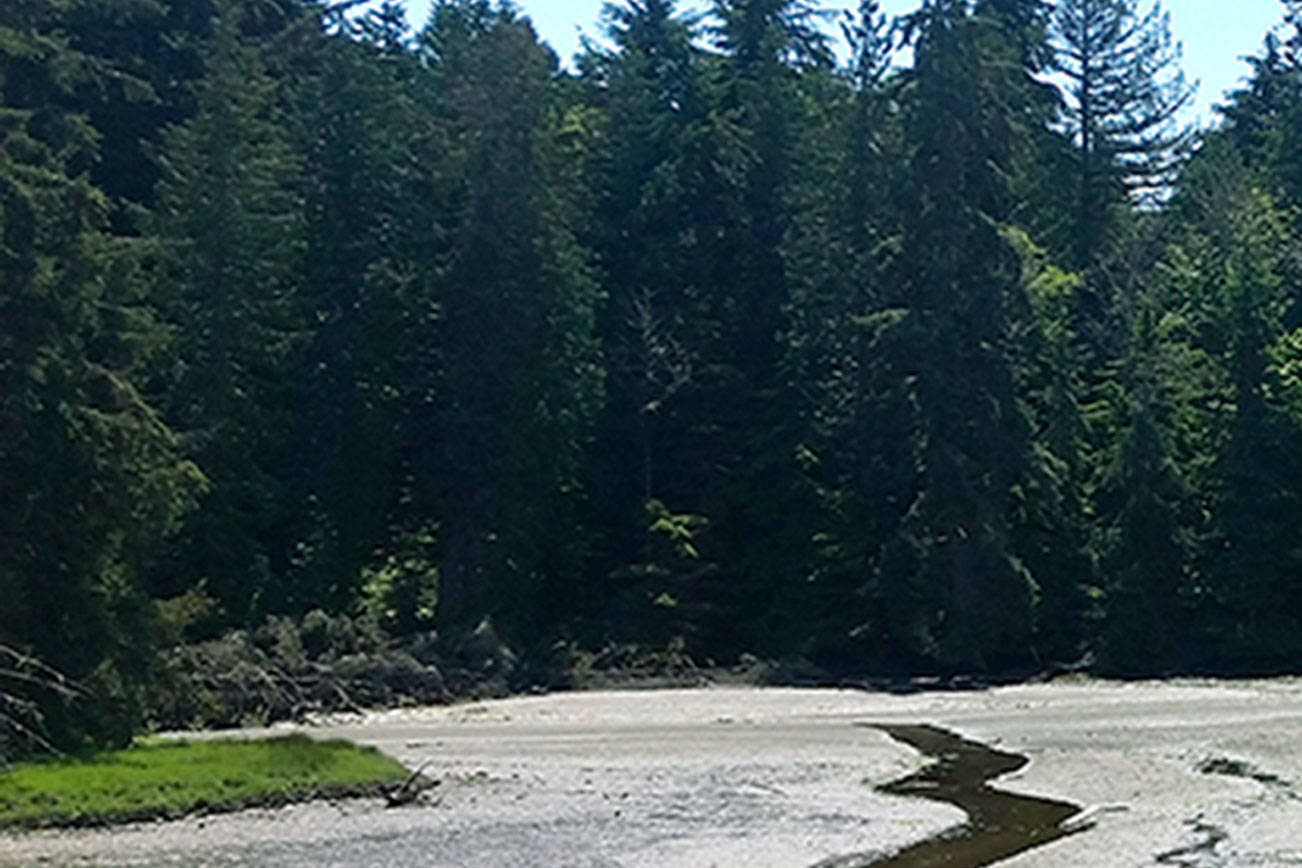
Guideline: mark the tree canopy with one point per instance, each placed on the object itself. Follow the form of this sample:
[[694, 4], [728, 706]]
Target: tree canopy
[[747, 332]]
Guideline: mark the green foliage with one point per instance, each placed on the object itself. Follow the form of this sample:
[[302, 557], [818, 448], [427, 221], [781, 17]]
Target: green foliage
[[402, 591], [1052, 505], [520, 371], [1151, 521], [305, 316], [662, 594], [90, 475], [228, 230]]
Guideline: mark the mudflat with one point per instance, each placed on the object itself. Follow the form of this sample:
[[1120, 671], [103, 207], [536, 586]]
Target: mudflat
[[1177, 773]]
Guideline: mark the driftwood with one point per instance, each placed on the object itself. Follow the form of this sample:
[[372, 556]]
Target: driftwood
[[409, 790], [271, 691], [21, 676]]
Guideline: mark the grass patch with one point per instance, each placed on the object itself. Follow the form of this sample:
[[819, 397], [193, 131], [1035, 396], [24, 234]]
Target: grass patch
[[157, 781]]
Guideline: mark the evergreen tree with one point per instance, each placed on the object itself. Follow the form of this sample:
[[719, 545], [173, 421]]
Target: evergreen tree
[[1124, 93], [1237, 248], [650, 324], [1252, 113], [386, 28], [1257, 567], [1293, 17], [1264, 118], [659, 597], [365, 393], [652, 180], [143, 60], [765, 45], [1148, 505], [90, 476], [948, 582], [1051, 507], [848, 168], [230, 230], [771, 50], [522, 381]]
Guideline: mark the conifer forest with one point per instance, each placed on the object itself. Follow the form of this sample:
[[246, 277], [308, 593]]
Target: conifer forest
[[929, 344]]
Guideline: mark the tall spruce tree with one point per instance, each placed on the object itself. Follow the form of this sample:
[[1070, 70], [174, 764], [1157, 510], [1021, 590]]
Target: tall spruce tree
[[90, 476], [365, 396], [653, 179], [770, 51], [516, 322], [948, 585], [1051, 510], [765, 45], [1237, 249], [1123, 96], [846, 163], [1148, 505], [229, 226], [651, 324], [848, 167]]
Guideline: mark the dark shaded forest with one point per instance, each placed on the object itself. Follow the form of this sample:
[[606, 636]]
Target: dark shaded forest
[[926, 345]]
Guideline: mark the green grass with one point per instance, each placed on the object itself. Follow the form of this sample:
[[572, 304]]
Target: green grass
[[153, 781]]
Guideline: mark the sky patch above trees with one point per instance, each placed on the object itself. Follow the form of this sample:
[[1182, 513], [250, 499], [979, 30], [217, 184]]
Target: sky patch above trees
[[1215, 35]]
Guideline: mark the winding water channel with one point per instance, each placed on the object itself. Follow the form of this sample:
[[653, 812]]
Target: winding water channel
[[1000, 824]]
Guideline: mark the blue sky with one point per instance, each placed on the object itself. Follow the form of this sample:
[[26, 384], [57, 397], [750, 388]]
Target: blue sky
[[1215, 33]]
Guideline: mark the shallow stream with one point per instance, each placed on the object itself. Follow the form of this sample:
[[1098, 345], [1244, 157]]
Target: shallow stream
[[1000, 824]]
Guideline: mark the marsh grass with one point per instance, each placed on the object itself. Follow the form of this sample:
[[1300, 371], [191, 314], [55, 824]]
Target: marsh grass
[[173, 779]]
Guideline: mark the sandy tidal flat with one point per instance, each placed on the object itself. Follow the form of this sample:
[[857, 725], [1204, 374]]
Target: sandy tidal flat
[[1184, 773]]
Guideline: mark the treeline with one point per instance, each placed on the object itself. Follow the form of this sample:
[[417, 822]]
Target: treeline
[[961, 358]]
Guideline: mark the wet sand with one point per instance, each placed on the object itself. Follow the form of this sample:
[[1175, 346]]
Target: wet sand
[[1186, 773]]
